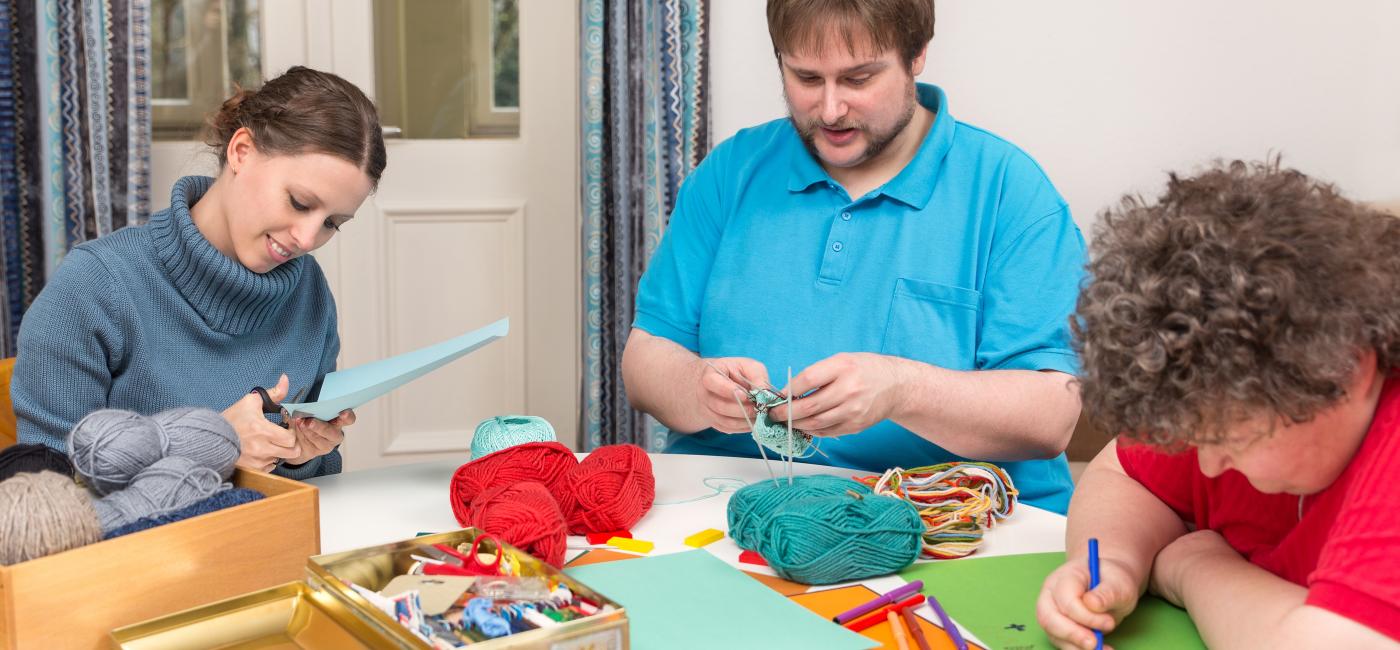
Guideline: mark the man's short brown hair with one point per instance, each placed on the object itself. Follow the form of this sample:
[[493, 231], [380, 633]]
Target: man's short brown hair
[[1246, 290], [902, 25]]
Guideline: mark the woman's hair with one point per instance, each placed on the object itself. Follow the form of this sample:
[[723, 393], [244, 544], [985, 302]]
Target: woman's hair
[[1246, 290], [303, 111]]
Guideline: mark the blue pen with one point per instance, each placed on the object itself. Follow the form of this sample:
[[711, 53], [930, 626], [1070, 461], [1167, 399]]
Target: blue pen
[[1094, 582]]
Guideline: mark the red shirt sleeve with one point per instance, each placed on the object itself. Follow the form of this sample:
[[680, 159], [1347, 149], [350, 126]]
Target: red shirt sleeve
[[1169, 477], [1358, 570]]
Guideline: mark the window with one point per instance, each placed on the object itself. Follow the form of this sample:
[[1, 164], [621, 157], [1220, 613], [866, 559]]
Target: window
[[199, 50], [448, 69]]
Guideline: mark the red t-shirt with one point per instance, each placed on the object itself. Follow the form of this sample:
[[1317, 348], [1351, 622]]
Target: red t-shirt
[[1343, 543]]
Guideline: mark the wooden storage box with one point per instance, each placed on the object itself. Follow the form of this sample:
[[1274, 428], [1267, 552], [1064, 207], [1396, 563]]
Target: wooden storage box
[[74, 599]]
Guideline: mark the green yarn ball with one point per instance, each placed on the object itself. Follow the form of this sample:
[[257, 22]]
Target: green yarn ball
[[751, 506], [841, 538], [505, 431]]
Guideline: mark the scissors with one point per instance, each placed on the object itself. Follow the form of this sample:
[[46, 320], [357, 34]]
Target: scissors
[[273, 408]]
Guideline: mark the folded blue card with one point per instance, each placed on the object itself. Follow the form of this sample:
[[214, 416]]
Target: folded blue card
[[350, 388]]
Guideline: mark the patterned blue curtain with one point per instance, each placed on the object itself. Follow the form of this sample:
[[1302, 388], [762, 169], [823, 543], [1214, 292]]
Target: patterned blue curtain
[[75, 135], [645, 126]]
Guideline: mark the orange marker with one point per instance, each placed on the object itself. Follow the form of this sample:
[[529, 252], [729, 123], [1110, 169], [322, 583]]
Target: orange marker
[[900, 638]]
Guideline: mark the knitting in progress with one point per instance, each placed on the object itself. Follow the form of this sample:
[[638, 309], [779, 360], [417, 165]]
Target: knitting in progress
[[957, 501]]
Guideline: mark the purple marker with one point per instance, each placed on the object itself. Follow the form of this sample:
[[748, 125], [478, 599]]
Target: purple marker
[[948, 625], [893, 596]]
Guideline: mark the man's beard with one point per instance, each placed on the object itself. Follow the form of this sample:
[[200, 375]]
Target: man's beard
[[878, 141]]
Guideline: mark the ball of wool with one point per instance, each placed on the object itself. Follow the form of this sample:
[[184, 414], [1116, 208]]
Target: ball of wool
[[110, 447], [611, 489], [167, 485], [542, 462], [27, 458], [201, 435], [523, 514], [42, 513], [840, 538], [751, 506], [221, 499], [505, 431]]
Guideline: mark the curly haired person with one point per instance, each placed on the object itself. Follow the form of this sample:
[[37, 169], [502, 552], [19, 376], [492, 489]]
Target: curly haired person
[[1240, 333]]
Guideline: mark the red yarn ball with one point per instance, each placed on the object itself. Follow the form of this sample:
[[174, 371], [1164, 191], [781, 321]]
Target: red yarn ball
[[525, 515], [610, 490], [541, 462]]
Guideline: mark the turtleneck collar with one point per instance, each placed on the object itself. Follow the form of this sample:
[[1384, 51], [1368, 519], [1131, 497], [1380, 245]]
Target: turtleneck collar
[[230, 298]]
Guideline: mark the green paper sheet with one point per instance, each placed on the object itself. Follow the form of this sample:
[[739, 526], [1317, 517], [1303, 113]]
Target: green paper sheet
[[695, 600], [994, 597]]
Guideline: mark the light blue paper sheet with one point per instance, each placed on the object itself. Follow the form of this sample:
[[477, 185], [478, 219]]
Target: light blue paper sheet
[[350, 388], [695, 600]]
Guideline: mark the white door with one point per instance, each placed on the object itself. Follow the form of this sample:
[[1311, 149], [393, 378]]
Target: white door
[[462, 231]]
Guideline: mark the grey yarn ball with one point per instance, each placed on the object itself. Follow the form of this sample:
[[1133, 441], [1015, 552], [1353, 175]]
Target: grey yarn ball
[[168, 484], [110, 447], [43, 513], [201, 435]]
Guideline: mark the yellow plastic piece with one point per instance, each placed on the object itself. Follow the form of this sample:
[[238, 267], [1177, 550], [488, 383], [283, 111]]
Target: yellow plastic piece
[[633, 545], [707, 536]]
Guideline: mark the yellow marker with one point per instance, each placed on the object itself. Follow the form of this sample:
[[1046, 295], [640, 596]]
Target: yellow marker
[[633, 545], [707, 536]]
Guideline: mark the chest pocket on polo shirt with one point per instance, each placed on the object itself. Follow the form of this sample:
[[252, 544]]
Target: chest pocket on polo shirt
[[933, 323]]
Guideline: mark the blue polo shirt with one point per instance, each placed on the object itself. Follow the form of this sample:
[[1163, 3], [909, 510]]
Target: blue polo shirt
[[967, 259]]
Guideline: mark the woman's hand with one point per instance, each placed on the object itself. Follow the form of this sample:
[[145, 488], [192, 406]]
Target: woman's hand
[[1069, 611], [262, 442], [318, 437]]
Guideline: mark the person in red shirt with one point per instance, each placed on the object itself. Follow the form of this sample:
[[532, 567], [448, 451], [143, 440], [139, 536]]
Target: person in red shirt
[[1242, 333]]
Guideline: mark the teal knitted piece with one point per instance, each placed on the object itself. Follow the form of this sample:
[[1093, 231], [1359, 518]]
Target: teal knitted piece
[[841, 538], [775, 435], [505, 431], [750, 507], [153, 317]]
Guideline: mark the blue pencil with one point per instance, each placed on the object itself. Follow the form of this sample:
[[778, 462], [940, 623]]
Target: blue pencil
[[1094, 582]]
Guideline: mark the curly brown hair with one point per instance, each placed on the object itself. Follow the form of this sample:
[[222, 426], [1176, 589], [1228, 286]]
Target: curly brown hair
[[1245, 290]]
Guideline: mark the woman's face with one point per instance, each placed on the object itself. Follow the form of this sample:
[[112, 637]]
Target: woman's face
[[279, 207]]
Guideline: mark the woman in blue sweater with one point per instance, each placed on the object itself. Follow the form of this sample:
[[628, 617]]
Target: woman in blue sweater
[[217, 293]]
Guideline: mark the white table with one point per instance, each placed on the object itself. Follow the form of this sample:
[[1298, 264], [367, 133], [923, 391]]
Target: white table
[[377, 506]]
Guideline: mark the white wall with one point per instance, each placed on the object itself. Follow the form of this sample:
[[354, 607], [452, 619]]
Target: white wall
[[1108, 95]]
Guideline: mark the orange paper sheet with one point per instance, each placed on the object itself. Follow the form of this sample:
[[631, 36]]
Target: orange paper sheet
[[830, 602]]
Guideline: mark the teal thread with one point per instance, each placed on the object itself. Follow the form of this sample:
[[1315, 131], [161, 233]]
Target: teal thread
[[751, 507], [840, 538], [718, 484], [505, 431]]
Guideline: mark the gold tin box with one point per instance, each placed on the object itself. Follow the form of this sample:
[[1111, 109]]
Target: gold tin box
[[323, 612]]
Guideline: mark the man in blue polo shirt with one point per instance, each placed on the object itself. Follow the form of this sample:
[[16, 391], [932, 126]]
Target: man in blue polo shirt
[[915, 272]]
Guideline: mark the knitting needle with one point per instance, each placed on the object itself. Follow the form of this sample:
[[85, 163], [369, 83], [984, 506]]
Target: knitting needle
[[789, 419], [757, 443]]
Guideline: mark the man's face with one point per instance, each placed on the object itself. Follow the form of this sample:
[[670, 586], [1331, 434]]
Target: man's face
[[849, 103]]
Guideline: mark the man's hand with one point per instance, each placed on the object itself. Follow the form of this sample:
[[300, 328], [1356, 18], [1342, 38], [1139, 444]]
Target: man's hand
[[844, 393], [722, 390]]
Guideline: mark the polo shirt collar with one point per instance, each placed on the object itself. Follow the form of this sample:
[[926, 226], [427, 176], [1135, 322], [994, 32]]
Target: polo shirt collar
[[913, 185]]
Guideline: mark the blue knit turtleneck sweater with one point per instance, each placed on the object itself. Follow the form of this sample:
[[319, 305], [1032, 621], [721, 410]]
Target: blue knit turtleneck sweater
[[153, 317]]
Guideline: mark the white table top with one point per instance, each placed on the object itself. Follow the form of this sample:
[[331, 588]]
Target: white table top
[[377, 506]]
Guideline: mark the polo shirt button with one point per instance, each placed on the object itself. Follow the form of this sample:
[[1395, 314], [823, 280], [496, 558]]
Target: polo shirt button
[[837, 247], [845, 216]]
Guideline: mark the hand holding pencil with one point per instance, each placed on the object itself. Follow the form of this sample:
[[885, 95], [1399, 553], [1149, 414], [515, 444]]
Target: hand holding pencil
[[1071, 609]]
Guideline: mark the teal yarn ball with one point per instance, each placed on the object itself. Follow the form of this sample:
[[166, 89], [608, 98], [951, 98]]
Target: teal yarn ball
[[505, 431], [751, 506], [841, 538]]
